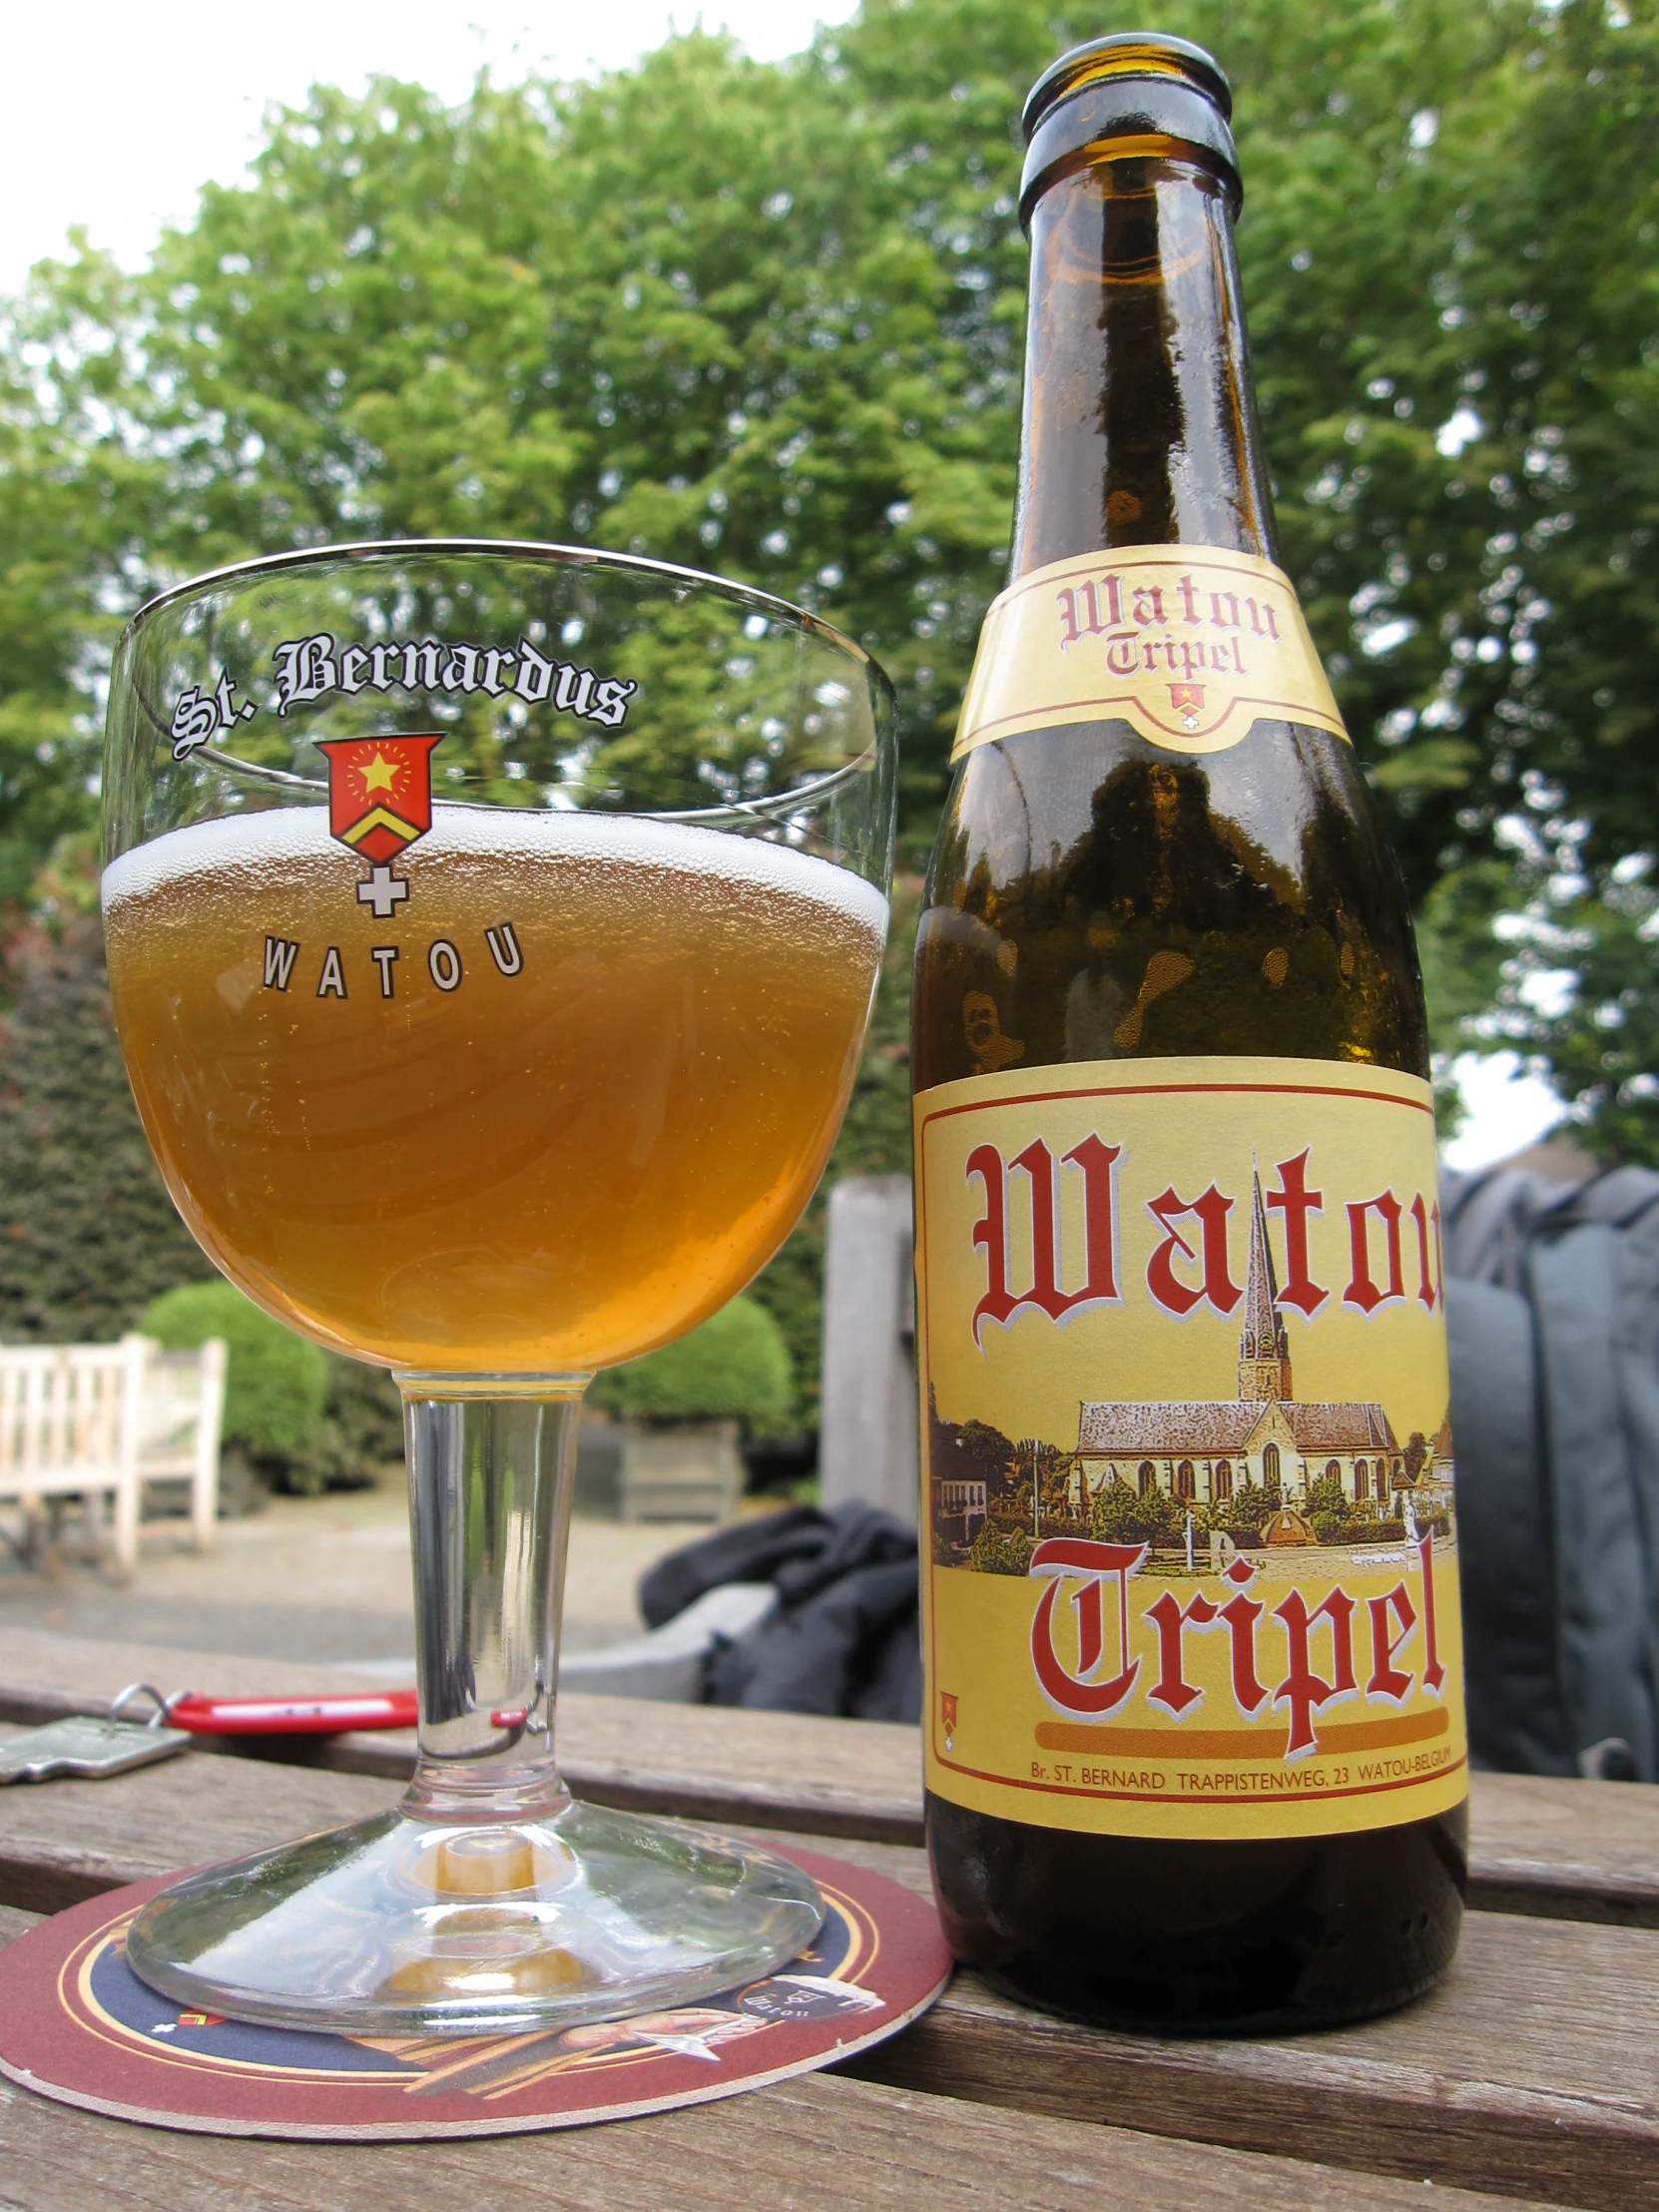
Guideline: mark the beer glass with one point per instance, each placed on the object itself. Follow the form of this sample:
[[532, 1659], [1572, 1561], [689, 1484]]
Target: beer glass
[[492, 934]]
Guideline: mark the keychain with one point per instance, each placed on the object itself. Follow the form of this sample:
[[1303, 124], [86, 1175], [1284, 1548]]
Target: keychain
[[293, 1716], [92, 1746]]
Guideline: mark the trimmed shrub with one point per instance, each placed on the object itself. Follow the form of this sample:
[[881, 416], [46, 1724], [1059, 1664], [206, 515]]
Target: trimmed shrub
[[735, 1367], [363, 1402], [277, 1387], [361, 1430]]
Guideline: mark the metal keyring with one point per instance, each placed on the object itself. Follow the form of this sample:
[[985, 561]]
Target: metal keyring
[[164, 1705]]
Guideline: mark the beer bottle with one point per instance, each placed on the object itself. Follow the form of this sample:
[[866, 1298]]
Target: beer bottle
[[1193, 1731]]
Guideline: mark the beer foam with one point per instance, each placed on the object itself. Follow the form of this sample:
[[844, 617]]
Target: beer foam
[[259, 845]]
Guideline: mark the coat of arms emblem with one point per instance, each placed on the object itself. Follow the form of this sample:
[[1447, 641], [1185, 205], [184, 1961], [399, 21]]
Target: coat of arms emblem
[[1188, 702], [379, 803]]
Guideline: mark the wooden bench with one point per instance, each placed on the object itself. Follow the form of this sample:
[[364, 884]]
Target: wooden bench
[[90, 1420], [1531, 2072]]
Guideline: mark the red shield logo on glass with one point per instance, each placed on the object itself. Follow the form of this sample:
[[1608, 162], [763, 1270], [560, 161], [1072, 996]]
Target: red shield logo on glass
[[379, 803]]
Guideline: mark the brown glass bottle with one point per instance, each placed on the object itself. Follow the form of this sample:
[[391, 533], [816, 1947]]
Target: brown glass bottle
[[1069, 860]]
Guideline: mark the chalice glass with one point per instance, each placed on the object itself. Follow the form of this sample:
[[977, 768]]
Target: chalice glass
[[492, 934]]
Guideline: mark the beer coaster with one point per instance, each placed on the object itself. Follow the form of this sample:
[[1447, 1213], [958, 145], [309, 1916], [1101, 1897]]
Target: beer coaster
[[76, 2025]]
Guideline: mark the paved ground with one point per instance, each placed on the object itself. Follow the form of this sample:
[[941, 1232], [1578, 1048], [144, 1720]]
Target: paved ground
[[322, 1578]]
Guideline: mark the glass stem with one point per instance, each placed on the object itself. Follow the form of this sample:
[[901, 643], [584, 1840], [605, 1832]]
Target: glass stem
[[491, 1471]]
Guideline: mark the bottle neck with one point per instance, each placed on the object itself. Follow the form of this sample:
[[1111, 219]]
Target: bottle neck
[[1140, 420]]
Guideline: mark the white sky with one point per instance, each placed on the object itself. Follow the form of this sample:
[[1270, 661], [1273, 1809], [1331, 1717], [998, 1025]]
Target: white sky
[[1507, 1110], [112, 113]]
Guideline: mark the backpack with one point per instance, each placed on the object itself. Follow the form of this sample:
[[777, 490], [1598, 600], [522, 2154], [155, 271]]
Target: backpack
[[1552, 1311]]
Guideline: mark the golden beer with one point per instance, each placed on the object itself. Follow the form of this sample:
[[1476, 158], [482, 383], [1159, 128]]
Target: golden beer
[[551, 1107]]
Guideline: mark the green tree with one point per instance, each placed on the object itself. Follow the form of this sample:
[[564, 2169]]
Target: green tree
[[73, 521], [769, 318], [1326, 1495], [1119, 1514], [1002, 1551], [1242, 1516], [1332, 1515], [1559, 960]]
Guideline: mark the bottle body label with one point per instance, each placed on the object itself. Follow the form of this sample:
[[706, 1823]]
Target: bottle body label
[[1189, 644], [1189, 1533]]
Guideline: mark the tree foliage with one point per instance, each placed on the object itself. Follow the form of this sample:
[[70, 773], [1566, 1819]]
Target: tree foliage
[[1243, 1516], [769, 318], [1120, 1515], [999, 1550]]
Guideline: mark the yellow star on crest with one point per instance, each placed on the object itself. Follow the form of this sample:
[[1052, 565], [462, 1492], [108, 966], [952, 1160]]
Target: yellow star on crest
[[379, 774]]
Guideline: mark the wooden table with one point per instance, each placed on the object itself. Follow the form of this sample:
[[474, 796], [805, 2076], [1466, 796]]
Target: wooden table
[[1532, 2072]]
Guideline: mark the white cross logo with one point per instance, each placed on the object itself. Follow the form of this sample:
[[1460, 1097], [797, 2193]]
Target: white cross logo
[[383, 892]]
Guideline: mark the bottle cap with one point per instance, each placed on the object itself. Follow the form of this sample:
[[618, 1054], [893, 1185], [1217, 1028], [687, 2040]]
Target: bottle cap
[[1130, 84], [1126, 53]]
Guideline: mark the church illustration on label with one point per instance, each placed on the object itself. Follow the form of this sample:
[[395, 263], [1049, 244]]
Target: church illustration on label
[[379, 803], [1307, 1461]]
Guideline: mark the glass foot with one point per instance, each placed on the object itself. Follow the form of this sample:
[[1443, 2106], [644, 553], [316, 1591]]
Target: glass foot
[[399, 1927]]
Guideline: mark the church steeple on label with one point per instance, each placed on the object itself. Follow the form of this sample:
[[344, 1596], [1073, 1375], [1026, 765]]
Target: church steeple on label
[[1264, 1350]]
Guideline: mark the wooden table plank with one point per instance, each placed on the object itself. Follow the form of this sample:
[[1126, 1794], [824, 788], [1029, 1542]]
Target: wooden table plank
[[69, 1839], [785, 1770], [1571, 1850], [1531, 2070], [1563, 1849], [794, 2146]]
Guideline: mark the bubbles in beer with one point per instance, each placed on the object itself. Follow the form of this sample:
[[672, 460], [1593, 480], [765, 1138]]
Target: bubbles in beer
[[282, 847], [549, 1095]]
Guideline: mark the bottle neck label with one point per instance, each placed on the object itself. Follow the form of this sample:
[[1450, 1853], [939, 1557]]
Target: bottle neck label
[[1192, 1565], [1188, 644]]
